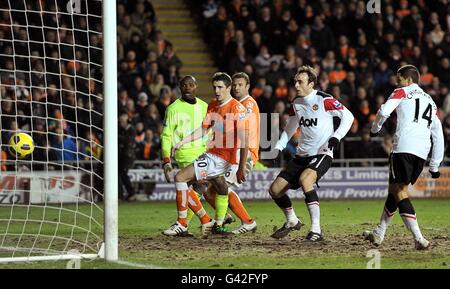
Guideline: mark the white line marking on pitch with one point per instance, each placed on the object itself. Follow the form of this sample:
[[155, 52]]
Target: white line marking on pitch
[[138, 265]]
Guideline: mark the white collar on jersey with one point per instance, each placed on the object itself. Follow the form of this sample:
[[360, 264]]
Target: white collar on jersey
[[226, 102], [309, 98], [248, 95]]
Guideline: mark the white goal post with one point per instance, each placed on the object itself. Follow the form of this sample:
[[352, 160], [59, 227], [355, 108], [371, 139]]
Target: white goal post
[[58, 83]]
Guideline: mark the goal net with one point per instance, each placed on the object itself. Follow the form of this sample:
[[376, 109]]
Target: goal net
[[51, 87]]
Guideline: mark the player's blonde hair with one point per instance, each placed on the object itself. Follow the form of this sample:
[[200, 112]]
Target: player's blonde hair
[[310, 71], [242, 75]]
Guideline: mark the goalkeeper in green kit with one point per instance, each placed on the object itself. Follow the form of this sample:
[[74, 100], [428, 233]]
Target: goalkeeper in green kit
[[182, 117]]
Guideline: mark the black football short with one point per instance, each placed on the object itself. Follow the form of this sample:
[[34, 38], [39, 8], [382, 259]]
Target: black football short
[[293, 170], [404, 168]]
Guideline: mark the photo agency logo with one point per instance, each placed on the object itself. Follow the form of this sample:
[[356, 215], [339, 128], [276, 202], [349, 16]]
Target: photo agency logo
[[75, 262], [375, 261], [373, 6]]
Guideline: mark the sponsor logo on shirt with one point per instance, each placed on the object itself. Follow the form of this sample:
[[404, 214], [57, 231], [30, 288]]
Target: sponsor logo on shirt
[[337, 104], [307, 122]]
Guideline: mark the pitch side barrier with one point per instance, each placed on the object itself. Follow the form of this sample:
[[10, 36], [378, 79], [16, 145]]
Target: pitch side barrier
[[338, 183]]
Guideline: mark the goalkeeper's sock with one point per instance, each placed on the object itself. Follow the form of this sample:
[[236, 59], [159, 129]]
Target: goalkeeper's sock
[[189, 216], [190, 213], [238, 208], [390, 206], [196, 206], [312, 202], [182, 206], [408, 214], [285, 204], [210, 197], [221, 208]]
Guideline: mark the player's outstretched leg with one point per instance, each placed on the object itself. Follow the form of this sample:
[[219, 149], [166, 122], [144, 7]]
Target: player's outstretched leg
[[237, 207], [408, 215], [186, 198], [210, 197], [278, 193], [376, 236], [221, 202], [179, 228], [313, 205], [307, 180]]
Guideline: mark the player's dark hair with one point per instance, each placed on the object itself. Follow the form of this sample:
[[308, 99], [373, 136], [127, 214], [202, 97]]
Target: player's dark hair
[[242, 75], [312, 75], [409, 71], [186, 77], [222, 76]]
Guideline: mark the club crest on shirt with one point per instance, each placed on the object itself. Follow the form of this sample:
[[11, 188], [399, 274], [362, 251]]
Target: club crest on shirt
[[315, 107]]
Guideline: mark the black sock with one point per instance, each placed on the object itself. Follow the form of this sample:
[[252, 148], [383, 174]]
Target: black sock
[[283, 202], [390, 204], [311, 197], [405, 207]]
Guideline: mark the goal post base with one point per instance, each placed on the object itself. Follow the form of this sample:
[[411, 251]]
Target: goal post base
[[49, 258]]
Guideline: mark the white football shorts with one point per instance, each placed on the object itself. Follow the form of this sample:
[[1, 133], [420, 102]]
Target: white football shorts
[[230, 176], [208, 166]]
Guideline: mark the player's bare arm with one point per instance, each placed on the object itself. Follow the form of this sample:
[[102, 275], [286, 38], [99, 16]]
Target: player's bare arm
[[198, 133]]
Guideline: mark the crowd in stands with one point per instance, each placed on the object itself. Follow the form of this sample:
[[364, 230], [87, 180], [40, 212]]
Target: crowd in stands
[[60, 102], [356, 54]]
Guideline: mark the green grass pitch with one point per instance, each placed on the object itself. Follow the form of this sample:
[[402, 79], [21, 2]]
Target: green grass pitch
[[141, 241]]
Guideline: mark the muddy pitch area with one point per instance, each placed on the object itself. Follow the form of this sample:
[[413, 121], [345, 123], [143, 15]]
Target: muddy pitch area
[[256, 245]]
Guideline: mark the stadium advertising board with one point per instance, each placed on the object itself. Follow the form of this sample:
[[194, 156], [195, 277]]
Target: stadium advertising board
[[338, 183], [39, 187]]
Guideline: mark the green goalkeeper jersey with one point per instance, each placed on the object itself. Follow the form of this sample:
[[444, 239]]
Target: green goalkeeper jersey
[[181, 119]]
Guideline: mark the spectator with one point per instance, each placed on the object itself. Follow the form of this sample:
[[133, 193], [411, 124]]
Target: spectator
[[126, 29], [321, 36], [172, 78], [338, 74], [156, 86], [281, 90], [142, 104], [254, 46], [263, 60], [274, 73], [239, 61], [138, 87], [64, 147], [151, 118], [169, 58], [140, 133], [126, 155], [266, 101], [147, 149]]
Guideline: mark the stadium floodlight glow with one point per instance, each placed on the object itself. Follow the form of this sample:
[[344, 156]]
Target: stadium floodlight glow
[[58, 83]]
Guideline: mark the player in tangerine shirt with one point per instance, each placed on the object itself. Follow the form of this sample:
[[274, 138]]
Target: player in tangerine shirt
[[240, 87], [227, 117]]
